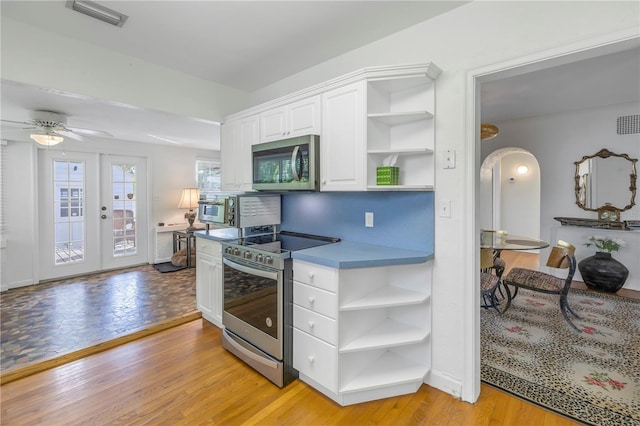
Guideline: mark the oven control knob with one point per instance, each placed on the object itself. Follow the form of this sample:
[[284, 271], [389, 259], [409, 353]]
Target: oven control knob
[[268, 260], [247, 255], [236, 251], [260, 258], [229, 250]]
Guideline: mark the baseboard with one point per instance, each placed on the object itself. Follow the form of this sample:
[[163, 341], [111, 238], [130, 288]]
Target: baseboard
[[444, 382]]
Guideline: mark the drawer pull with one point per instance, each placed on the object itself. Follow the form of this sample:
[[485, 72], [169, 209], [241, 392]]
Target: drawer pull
[[311, 359], [311, 275], [312, 324], [312, 300]]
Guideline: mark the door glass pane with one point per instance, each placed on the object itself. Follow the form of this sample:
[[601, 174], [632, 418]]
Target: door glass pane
[[68, 211], [123, 182]]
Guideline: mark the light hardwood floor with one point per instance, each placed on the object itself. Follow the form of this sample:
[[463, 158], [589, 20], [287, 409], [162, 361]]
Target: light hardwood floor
[[183, 376]]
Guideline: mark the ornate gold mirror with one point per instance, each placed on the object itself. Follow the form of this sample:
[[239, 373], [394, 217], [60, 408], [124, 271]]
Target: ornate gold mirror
[[606, 181]]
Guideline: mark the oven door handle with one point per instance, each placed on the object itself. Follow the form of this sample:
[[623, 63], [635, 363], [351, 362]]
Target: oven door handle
[[248, 270]]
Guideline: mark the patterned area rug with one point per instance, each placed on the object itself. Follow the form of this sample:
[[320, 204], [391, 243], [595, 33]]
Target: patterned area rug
[[593, 376]]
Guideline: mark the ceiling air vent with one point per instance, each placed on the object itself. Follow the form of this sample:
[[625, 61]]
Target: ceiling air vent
[[93, 9], [628, 124]]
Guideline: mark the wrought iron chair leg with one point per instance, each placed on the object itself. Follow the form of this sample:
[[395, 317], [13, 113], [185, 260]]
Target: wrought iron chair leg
[[566, 302], [563, 308]]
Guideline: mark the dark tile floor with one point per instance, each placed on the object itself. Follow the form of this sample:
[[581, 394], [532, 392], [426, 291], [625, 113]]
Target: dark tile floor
[[44, 321]]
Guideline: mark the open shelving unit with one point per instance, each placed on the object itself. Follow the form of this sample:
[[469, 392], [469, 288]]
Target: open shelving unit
[[400, 122]]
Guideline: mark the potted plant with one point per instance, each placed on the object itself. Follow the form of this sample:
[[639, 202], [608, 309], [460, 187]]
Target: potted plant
[[601, 271]]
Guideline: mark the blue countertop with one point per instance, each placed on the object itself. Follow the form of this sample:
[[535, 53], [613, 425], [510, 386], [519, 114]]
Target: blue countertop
[[346, 254], [220, 234]]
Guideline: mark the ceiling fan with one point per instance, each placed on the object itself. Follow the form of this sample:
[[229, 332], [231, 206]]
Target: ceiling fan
[[49, 128]]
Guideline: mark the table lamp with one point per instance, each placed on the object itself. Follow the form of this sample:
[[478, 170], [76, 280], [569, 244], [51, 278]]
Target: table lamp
[[189, 200]]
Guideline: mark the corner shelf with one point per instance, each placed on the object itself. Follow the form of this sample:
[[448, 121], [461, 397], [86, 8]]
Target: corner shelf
[[388, 370], [397, 118], [388, 334], [386, 297], [400, 112]]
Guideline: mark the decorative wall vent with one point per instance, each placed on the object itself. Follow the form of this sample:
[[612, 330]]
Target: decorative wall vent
[[628, 124]]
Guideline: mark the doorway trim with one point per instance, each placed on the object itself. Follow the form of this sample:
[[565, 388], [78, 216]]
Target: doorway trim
[[609, 43]]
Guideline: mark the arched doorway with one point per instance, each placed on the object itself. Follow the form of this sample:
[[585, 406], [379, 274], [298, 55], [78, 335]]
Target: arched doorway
[[510, 192]]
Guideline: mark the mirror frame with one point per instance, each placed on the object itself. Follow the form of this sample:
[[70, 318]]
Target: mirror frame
[[605, 153]]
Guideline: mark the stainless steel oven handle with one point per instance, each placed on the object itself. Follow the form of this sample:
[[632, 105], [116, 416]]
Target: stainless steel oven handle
[[248, 270], [257, 358]]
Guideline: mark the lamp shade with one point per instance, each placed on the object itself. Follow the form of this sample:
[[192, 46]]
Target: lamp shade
[[189, 199]]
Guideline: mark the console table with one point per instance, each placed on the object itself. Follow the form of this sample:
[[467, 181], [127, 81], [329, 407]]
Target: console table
[[189, 240]]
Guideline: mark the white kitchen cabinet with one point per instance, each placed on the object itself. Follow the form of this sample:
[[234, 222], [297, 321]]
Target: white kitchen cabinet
[[342, 141], [237, 137], [400, 123], [209, 280], [362, 334], [295, 119]]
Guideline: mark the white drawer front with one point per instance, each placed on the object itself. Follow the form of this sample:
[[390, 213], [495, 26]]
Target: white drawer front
[[315, 299], [316, 359], [315, 275], [315, 324]]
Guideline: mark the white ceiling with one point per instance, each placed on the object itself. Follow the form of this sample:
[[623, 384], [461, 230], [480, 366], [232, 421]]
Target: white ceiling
[[250, 44]]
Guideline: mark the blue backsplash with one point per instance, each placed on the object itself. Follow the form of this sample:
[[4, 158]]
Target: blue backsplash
[[401, 219]]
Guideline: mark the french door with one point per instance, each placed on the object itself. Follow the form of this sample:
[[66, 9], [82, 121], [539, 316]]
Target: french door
[[92, 214]]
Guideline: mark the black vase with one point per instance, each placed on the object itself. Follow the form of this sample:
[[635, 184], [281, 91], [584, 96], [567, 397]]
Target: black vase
[[603, 273]]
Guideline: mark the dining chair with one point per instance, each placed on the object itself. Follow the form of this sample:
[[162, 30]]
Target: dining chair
[[491, 270], [562, 257]]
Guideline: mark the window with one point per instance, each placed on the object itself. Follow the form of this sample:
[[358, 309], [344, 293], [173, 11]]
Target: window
[[70, 205], [208, 177]]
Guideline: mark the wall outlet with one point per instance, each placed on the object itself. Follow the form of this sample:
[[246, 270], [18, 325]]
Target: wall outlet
[[449, 159], [368, 219]]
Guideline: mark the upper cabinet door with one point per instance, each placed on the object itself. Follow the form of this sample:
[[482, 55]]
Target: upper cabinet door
[[295, 119], [235, 153], [342, 144], [304, 117], [273, 124]]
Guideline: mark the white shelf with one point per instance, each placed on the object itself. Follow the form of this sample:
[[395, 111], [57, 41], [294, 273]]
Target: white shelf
[[387, 334], [396, 118], [388, 370], [386, 297], [401, 151], [400, 187]]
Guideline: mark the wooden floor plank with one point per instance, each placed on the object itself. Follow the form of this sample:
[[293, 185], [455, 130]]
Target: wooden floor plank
[[183, 376]]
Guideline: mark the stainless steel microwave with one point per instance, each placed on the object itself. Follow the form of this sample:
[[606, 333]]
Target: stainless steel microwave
[[287, 165], [241, 210]]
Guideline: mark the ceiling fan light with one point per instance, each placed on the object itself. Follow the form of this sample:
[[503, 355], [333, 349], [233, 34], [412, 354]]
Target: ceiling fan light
[[46, 139]]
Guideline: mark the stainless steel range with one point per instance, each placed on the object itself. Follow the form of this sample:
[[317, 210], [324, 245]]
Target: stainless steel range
[[258, 295]]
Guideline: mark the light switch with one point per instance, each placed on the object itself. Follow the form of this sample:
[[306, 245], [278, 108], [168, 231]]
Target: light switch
[[445, 208]]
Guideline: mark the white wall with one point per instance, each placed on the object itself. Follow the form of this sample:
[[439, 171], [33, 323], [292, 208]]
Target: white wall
[[170, 170], [520, 196], [468, 38], [557, 141]]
